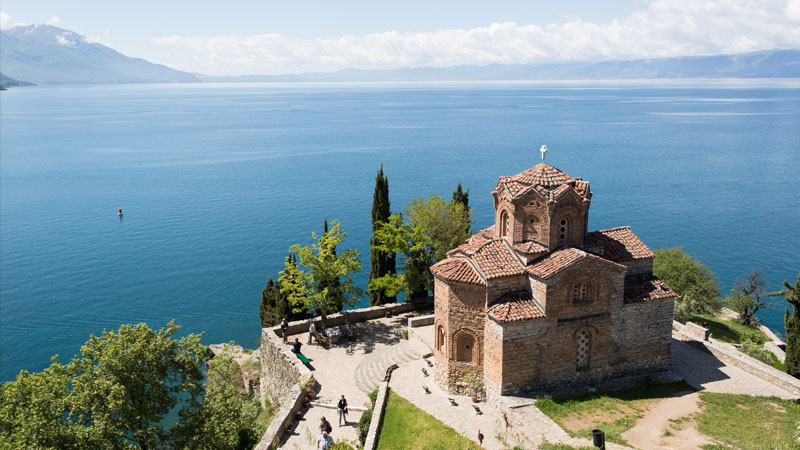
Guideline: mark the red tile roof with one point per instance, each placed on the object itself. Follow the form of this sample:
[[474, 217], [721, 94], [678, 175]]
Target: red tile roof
[[645, 287], [530, 248], [550, 181], [561, 259], [514, 307], [618, 244], [457, 269], [495, 260]]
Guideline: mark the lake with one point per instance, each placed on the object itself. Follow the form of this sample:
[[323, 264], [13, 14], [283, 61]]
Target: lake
[[216, 181]]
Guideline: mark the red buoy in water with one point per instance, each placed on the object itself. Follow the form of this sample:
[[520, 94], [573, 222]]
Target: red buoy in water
[[120, 212]]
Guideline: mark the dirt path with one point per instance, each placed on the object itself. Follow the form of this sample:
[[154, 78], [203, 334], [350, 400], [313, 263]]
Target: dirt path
[[649, 431]]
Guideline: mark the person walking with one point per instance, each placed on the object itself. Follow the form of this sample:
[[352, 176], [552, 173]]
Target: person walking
[[324, 426], [284, 329], [325, 440], [312, 330], [342, 408]]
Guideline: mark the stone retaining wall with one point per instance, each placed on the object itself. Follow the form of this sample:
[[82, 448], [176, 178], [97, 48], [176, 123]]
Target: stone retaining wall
[[377, 416], [421, 321]]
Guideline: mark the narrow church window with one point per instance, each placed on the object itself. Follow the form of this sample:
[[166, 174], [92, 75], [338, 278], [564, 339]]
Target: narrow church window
[[504, 224], [464, 348], [581, 291], [532, 230], [440, 338], [584, 345], [563, 229]]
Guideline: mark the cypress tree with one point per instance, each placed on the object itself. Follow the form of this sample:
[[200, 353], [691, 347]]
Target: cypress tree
[[792, 322], [459, 196], [273, 306], [380, 263]]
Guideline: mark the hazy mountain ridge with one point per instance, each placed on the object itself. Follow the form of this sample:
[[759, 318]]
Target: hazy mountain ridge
[[6, 82], [763, 64], [45, 54]]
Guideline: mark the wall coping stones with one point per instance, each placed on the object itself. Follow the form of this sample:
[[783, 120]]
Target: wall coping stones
[[377, 415]]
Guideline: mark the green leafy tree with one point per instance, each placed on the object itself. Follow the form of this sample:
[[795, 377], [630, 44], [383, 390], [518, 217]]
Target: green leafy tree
[[792, 322], [695, 283], [319, 262], [422, 236], [114, 395], [380, 263], [749, 296], [274, 306], [333, 283]]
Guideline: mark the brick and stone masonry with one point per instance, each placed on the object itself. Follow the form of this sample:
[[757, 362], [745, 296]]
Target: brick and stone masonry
[[536, 302]]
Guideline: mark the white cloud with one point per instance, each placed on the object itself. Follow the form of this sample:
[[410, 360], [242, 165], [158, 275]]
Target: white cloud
[[63, 39], [54, 21], [6, 21], [662, 28]]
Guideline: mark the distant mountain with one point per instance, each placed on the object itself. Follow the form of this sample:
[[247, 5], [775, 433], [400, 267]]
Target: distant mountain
[[763, 64], [45, 54], [6, 82]]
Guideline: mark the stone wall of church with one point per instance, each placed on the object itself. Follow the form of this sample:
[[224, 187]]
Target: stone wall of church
[[639, 266], [460, 310], [648, 335]]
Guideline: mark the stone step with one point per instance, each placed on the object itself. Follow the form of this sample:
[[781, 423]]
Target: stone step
[[372, 369]]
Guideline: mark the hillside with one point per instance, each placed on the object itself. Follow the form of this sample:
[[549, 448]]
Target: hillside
[[45, 54]]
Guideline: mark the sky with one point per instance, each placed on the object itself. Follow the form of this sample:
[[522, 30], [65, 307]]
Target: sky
[[239, 37]]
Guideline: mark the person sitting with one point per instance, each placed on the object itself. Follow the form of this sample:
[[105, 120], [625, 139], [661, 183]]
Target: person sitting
[[296, 345]]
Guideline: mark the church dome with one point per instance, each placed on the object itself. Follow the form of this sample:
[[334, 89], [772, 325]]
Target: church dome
[[543, 175]]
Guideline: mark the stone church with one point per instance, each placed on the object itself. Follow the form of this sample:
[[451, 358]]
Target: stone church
[[537, 302]]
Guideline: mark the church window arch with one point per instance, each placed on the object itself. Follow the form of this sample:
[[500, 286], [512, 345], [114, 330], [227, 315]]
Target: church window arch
[[582, 291], [583, 349], [563, 229], [465, 344], [504, 225], [440, 337]]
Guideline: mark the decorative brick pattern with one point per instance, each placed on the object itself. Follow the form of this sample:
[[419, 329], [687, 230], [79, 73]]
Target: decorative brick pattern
[[555, 306]]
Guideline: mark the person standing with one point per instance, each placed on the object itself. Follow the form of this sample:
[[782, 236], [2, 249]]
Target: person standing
[[325, 426], [326, 441], [312, 330], [284, 329], [342, 408]]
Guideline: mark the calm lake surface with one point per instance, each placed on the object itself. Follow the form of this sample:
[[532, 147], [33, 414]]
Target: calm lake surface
[[217, 181]]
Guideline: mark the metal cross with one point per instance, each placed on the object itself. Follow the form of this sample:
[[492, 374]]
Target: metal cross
[[544, 151]]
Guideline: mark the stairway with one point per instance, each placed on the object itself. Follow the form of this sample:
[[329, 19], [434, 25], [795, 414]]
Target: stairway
[[372, 369]]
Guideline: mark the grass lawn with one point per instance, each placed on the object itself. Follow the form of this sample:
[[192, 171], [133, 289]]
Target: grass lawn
[[743, 421], [613, 412], [729, 330], [550, 446], [407, 427]]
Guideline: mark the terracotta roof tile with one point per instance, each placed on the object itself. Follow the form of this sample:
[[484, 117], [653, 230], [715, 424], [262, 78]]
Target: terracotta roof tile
[[642, 288], [549, 181], [618, 244], [457, 269], [495, 260], [555, 262], [514, 307], [530, 248]]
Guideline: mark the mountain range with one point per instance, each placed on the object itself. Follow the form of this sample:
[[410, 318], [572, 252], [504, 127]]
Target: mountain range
[[44, 54]]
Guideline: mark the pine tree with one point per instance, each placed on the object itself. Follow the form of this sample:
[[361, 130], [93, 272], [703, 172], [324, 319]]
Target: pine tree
[[792, 323], [380, 263], [462, 197]]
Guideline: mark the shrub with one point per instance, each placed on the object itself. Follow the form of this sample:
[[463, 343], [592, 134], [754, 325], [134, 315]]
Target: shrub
[[341, 444], [363, 425], [753, 351], [753, 337]]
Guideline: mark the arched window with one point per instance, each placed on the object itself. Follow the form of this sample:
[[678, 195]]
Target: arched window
[[531, 232], [581, 292], [504, 224], [440, 337], [584, 346], [464, 344], [563, 230]]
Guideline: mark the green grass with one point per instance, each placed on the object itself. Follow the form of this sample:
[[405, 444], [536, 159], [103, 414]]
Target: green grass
[[550, 446], [730, 330], [776, 363], [744, 421], [630, 404], [407, 427]]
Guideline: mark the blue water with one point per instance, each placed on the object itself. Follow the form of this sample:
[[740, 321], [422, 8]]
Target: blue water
[[217, 181]]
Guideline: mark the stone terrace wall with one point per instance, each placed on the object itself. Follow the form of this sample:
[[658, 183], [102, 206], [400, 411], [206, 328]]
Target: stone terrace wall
[[280, 370]]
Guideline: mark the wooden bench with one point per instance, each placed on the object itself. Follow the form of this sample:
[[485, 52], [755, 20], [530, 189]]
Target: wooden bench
[[302, 358]]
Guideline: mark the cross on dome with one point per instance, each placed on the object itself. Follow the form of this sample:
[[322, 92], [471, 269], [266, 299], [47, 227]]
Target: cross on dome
[[544, 151]]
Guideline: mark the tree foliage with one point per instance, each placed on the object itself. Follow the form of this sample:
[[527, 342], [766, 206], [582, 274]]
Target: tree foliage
[[380, 263], [749, 296], [333, 283], [319, 261], [693, 281], [114, 395], [791, 320], [421, 236]]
